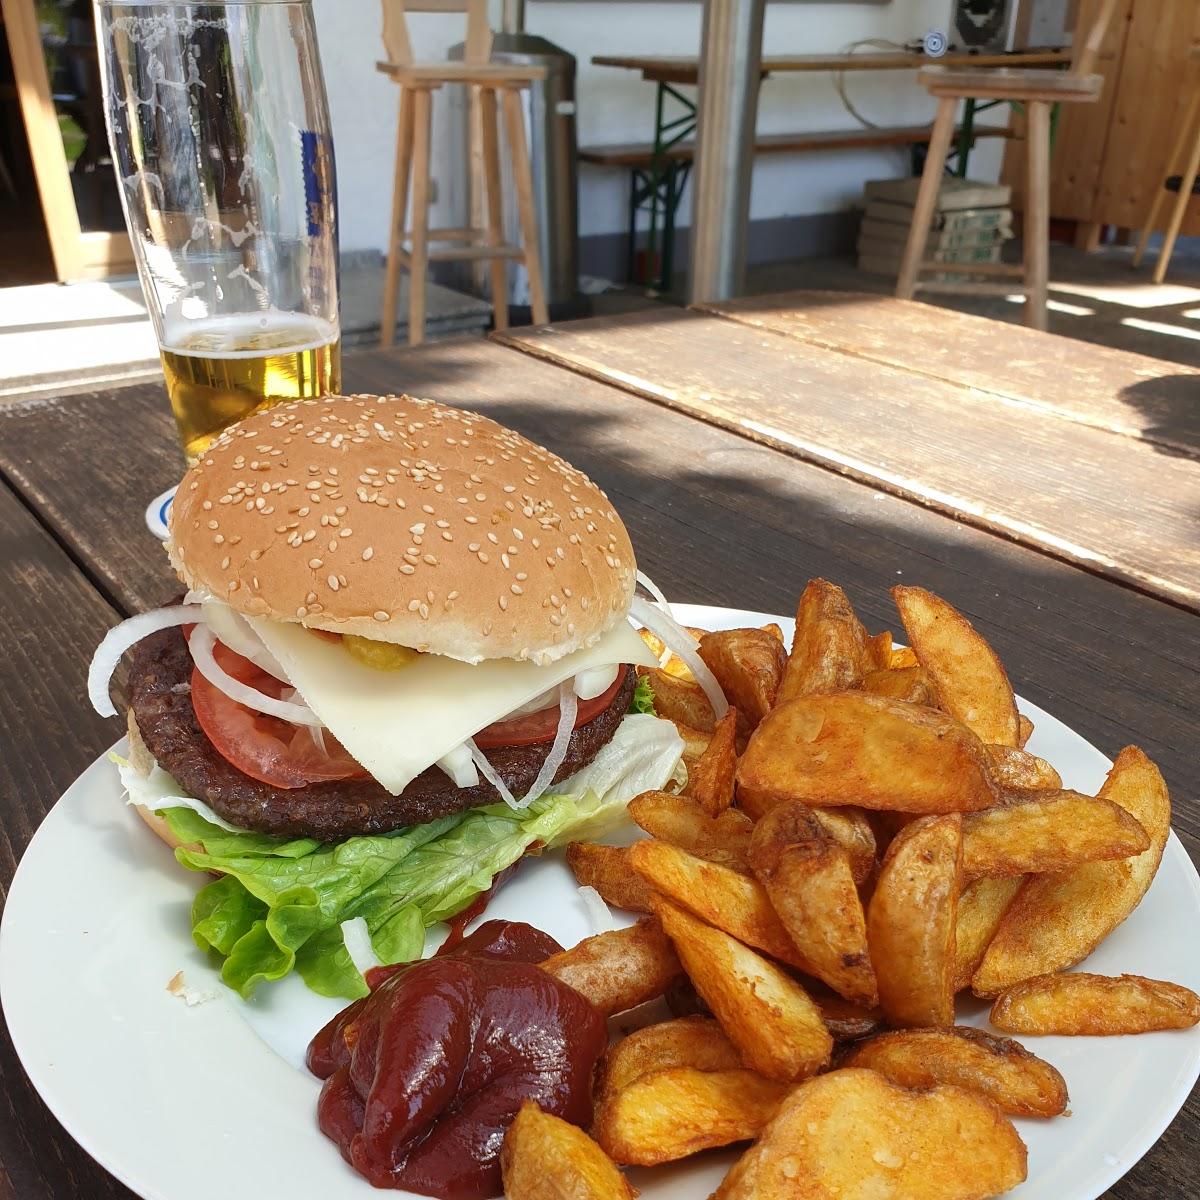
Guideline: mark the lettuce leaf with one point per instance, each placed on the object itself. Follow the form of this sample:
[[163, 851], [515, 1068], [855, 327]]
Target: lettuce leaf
[[643, 697], [278, 903]]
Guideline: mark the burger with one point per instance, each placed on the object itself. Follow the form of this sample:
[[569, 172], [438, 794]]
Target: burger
[[404, 659]]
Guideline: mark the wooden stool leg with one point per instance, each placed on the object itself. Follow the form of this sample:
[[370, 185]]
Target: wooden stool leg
[[419, 256], [391, 279], [927, 194], [1186, 130], [1037, 213], [1186, 184], [493, 201], [523, 176]]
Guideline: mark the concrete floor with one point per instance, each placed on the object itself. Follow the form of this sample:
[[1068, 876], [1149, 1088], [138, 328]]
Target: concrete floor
[[56, 338]]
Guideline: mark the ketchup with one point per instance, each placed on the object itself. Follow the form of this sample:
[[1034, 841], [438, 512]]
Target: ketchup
[[424, 1075]]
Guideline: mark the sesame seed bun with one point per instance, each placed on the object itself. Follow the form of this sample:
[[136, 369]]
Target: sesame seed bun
[[405, 521]]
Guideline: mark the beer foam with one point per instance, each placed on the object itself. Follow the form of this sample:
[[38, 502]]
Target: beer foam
[[248, 335]]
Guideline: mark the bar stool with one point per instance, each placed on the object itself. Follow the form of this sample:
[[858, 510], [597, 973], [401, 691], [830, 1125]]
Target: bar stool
[[492, 87], [1036, 90], [1187, 143]]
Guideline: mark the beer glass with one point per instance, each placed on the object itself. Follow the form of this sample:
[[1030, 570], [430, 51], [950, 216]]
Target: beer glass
[[220, 136]]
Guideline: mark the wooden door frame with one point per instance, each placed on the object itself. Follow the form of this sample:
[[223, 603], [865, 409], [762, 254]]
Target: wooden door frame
[[76, 254]]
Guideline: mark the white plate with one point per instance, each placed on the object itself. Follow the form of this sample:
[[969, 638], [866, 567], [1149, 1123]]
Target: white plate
[[186, 1103]]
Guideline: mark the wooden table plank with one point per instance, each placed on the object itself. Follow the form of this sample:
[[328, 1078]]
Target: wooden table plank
[[1111, 389], [90, 463], [720, 519], [1113, 505], [682, 68], [52, 621]]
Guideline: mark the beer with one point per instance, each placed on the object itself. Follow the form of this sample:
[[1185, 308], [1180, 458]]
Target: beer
[[223, 369]]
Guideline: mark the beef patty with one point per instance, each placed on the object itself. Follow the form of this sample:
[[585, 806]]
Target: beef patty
[[160, 698]]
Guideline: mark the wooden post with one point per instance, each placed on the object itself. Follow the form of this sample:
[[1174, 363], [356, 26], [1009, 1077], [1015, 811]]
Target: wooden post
[[927, 194], [493, 202], [391, 279], [419, 256], [523, 176]]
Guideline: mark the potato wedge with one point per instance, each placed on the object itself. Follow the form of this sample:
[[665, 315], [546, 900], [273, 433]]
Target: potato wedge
[[903, 656], [851, 829], [621, 969], [1095, 1005], [1018, 769], [710, 780], [880, 650], [1057, 920], [852, 1135], [768, 1016], [845, 1021], [607, 869], [1048, 831], [810, 884], [748, 664], [680, 700], [999, 1069], [911, 922], [674, 665], [966, 671], [1025, 728], [829, 651], [981, 908], [696, 1042], [677, 819], [725, 898], [670, 1114], [902, 683], [544, 1157], [863, 750], [695, 742]]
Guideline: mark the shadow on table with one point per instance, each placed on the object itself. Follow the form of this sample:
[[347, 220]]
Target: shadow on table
[[1173, 404]]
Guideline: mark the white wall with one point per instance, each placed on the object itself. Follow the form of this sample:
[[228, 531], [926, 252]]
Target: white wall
[[616, 106]]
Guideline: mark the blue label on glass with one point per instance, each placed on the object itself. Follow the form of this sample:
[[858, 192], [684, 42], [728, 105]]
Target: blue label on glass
[[317, 164]]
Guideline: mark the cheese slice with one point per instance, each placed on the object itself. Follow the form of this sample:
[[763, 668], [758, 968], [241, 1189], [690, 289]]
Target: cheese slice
[[397, 723]]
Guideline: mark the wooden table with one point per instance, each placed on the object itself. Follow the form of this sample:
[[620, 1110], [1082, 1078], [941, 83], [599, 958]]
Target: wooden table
[[748, 449], [683, 68]]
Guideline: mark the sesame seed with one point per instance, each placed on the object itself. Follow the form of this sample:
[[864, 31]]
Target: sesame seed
[[367, 555], [430, 559], [413, 605], [333, 583], [516, 589], [407, 569], [503, 602], [380, 615]]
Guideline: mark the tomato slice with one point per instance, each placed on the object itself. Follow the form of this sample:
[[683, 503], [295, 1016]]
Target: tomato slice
[[531, 729], [266, 748]]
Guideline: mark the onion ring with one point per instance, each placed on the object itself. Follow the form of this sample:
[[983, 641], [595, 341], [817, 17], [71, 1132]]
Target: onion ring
[[120, 638], [683, 644], [201, 644], [568, 709]]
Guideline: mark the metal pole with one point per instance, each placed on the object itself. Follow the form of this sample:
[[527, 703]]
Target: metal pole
[[512, 16], [730, 73]]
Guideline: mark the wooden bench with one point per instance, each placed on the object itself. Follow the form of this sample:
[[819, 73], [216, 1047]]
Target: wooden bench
[[657, 184], [641, 154]]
